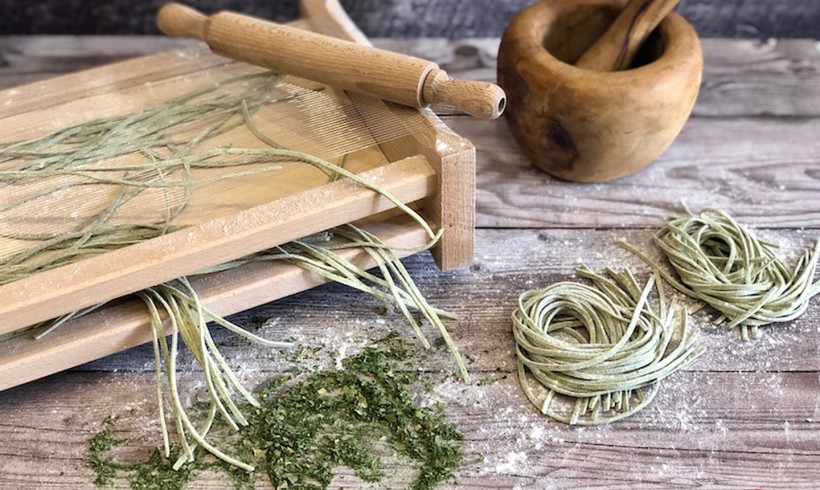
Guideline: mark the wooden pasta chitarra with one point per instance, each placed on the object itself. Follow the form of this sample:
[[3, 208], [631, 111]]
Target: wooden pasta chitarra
[[408, 152]]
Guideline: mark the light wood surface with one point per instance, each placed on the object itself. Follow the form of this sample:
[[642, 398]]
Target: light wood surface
[[742, 78], [348, 65], [743, 416], [240, 216], [123, 326], [452, 207], [214, 242]]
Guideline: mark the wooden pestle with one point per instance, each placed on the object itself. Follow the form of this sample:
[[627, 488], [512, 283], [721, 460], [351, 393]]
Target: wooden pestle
[[616, 49], [390, 76]]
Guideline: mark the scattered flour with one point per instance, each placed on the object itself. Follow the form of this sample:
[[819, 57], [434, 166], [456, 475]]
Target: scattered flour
[[514, 463]]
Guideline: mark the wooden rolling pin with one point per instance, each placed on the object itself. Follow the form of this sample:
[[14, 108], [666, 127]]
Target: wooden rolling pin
[[616, 49], [594, 124], [390, 76]]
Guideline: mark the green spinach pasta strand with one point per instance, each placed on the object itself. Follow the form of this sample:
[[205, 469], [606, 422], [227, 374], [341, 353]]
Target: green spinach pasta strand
[[163, 146], [602, 346], [726, 266]]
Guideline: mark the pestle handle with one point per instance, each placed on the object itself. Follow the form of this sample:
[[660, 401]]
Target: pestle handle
[[616, 49], [363, 69]]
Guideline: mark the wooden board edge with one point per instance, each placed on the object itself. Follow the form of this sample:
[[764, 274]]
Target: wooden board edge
[[125, 325], [452, 206], [136, 267], [91, 82]]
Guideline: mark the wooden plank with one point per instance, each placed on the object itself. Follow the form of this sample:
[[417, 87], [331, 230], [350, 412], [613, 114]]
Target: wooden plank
[[26, 59], [396, 18], [715, 430], [741, 77], [775, 77], [753, 19], [304, 207], [452, 207], [763, 171], [745, 415], [124, 325], [210, 243], [508, 262]]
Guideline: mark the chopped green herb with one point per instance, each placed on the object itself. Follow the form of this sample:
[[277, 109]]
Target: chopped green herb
[[304, 430], [104, 469], [490, 380], [155, 473], [259, 321]]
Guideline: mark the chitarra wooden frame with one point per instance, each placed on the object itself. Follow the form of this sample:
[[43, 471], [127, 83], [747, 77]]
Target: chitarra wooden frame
[[431, 167]]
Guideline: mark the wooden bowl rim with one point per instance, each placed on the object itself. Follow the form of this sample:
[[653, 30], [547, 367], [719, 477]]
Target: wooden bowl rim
[[682, 50]]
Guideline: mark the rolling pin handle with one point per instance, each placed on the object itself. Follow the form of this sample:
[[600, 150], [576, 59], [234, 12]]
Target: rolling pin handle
[[479, 99], [179, 20]]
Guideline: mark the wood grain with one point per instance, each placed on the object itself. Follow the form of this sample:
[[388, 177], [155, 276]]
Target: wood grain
[[765, 171], [346, 64], [452, 207], [146, 264], [776, 77], [617, 47], [745, 415], [681, 440], [761, 78], [303, 206], [741, 78], [733, 153], [124, 325], [401, 18], [507, 263], [599, 124]]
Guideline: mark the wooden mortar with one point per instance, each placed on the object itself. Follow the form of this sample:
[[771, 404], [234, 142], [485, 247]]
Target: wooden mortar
[[592, 126]]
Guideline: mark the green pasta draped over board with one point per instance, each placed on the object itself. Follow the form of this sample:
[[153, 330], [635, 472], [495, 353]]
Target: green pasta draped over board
[[170, 148]]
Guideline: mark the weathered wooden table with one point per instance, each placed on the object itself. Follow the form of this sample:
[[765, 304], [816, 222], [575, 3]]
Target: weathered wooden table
[[743, 416]]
